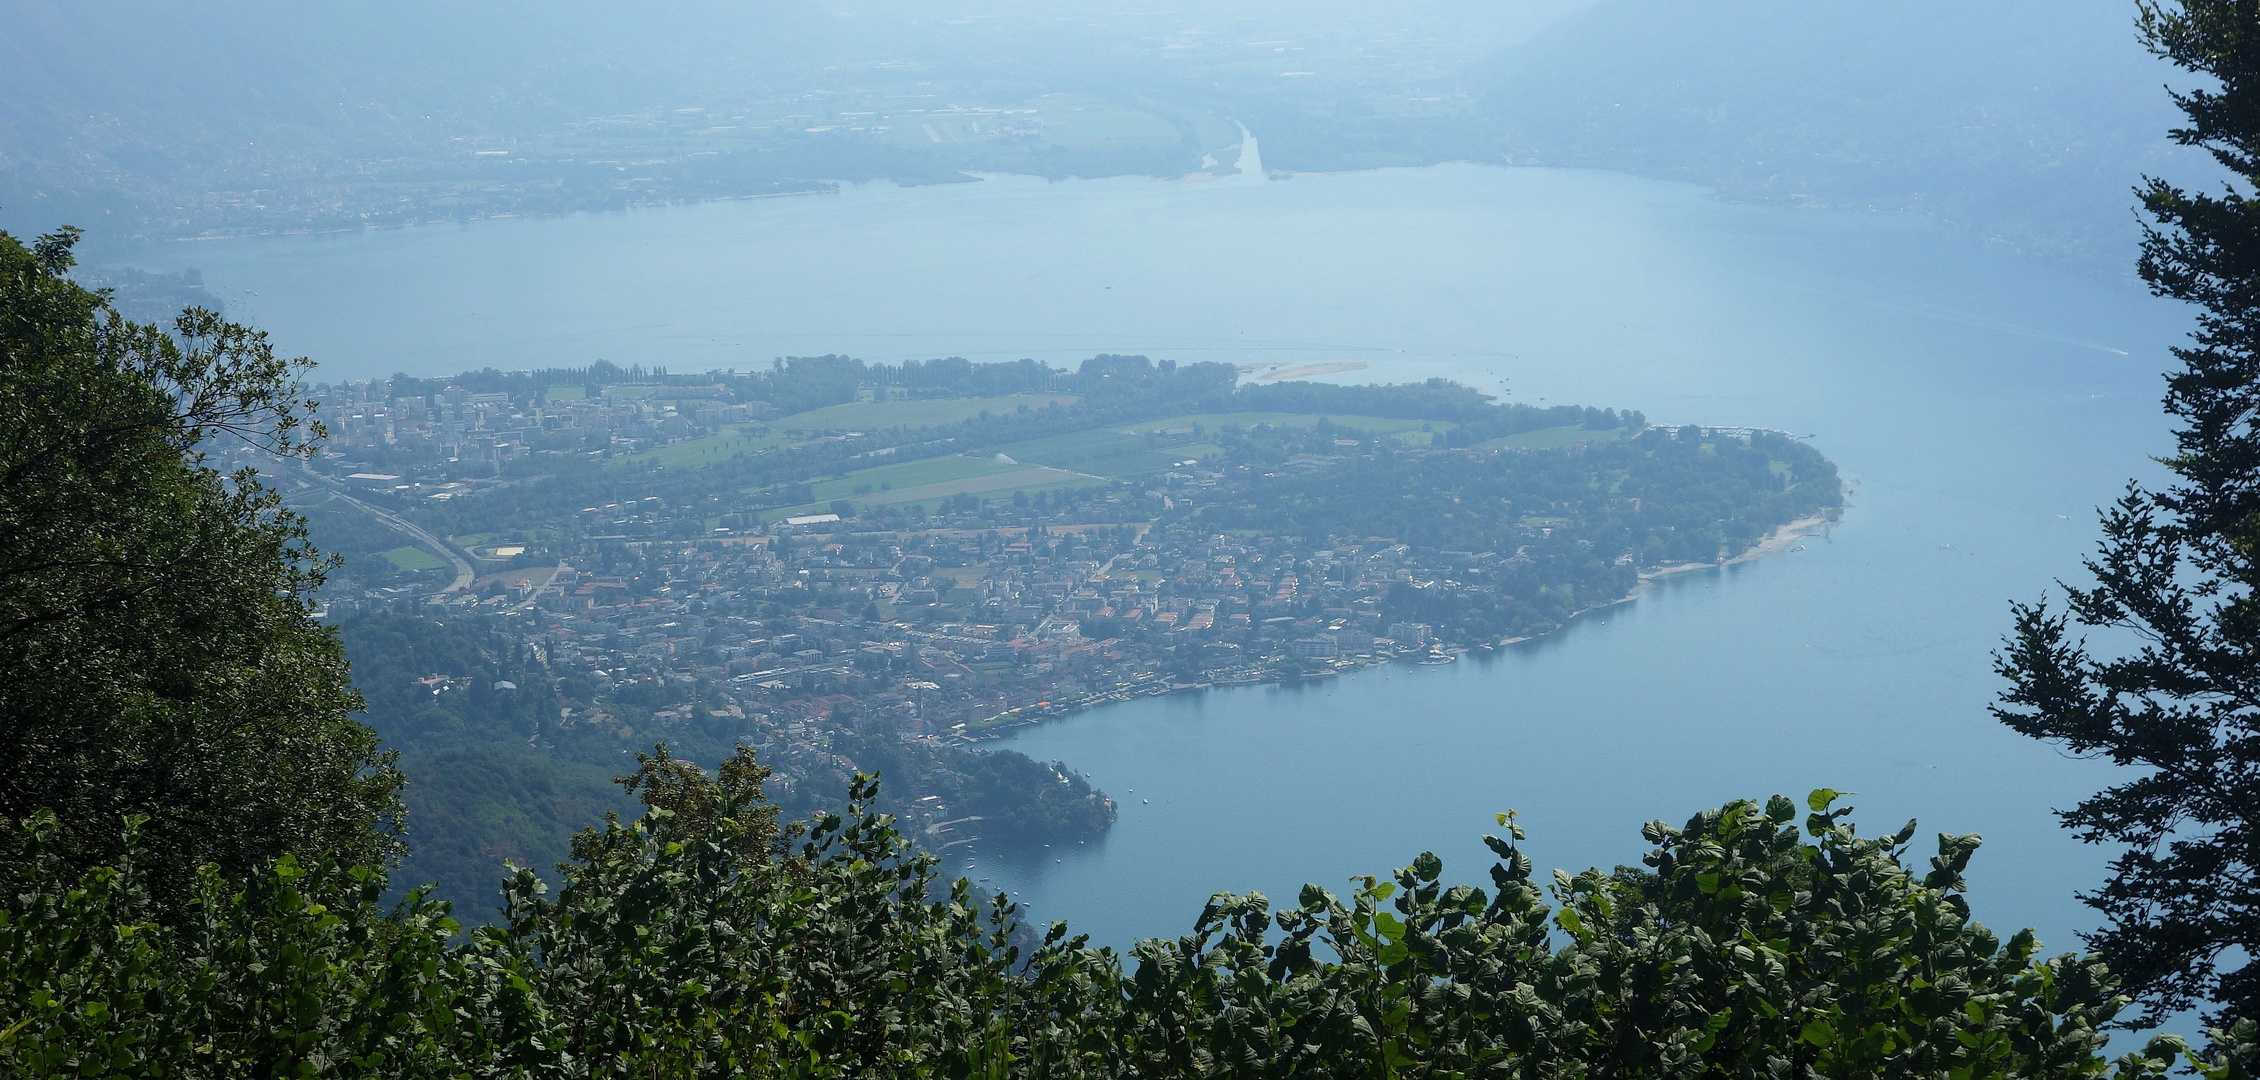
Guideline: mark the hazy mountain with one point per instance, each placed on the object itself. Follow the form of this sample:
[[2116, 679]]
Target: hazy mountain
[[142, 109], [2026, 120], [2030, 120], [196, 116]]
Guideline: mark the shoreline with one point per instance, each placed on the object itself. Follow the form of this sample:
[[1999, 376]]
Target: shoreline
[[1781, 539]]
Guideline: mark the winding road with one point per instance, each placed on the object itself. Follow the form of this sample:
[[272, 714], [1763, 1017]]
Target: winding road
[[464, 575]]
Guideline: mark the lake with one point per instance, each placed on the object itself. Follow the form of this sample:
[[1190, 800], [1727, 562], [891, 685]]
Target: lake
[[1983, 401]]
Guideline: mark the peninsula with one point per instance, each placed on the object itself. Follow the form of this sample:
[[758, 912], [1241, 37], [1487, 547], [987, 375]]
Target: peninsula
[[865, 567]]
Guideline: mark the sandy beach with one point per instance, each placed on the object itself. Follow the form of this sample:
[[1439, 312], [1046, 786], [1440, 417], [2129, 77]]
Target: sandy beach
[[1775, 542]]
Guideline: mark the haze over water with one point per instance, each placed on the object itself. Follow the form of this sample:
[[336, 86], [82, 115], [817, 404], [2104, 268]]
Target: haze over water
[[1983, 401]]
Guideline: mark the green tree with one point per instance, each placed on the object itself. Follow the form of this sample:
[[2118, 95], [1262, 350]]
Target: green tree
[[1745, 947], [705, 940], [2175, 577], [292, 970], [155, 655]]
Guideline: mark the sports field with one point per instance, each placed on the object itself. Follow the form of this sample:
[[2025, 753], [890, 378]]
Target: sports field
[[411, 559]]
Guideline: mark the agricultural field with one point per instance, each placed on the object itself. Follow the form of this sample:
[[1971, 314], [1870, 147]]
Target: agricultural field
[[412, 559], [1108, 452], [1057, 462], [1158, 445], [882, 479], [707, 449], [933, 479], [867, 415], [489, 544], [961, 577]]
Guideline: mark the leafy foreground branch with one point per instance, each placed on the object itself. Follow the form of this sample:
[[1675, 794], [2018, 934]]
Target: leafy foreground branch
[[704, 940]]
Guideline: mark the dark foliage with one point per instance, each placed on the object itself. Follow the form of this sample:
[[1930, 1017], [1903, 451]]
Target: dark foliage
[[155, 657], [957, 376], [2176, 573], [705, 940], [801, 383]]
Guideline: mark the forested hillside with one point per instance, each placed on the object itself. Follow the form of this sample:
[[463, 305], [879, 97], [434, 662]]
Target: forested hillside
[[494, 777]]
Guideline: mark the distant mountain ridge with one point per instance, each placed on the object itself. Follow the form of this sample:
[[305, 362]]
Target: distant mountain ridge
[[2027, 120]]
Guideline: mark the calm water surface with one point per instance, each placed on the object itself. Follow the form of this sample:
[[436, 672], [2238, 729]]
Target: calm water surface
[[1983, 401]]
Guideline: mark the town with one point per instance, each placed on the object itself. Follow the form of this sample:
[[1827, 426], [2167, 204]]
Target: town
[[858, 567]]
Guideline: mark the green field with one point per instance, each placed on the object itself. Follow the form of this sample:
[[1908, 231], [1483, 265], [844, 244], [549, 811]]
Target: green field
[[928, 412], [410, 560], [881, 479], [707, 449], [931, 480], [1039, 476], [566, 393], [1108, 452], [1084, 458], [1157, 445]]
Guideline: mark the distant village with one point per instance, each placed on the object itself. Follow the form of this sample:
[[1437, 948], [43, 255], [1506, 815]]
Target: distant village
[[953, 632], [840, 564], [951, 636], [445, 442]]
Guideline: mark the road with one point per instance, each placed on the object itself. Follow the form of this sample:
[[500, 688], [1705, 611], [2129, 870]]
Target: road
[[464, 575]]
